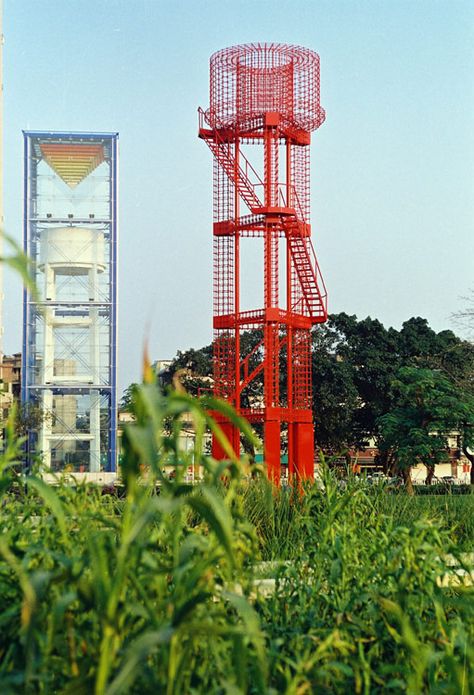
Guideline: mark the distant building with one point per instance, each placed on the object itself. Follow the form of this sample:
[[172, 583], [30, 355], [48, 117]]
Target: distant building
[[160, 368], [366, 461], [11, 383]]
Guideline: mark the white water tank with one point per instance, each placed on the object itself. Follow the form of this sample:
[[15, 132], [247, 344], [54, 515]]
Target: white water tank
[[72, 250]]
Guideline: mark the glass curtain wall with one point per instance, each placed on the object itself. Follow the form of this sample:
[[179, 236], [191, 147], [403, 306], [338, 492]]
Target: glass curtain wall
[[69, 327]]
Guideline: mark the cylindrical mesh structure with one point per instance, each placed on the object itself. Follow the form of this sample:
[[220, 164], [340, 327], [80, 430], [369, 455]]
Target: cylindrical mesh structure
[[264, 104], [252, 79]]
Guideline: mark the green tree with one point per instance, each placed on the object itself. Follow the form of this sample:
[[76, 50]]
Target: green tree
[[427, 409], [335, 395], [29, 417], [193, 367], [355, 363], [126, 402]]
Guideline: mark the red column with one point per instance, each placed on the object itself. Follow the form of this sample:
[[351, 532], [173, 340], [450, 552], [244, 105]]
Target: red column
[[232, 434], [304, 450], [272, 450]]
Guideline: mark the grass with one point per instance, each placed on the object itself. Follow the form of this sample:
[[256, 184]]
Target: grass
[[157, 593], [453, 513], [359, 607], [281, 518]]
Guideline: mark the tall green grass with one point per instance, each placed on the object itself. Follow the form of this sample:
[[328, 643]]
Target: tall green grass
[[147, 595], [454, 513], [156, 593], [281, 517], [360, 607]]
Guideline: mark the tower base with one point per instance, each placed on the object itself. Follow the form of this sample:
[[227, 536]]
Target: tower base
[[300, 448]]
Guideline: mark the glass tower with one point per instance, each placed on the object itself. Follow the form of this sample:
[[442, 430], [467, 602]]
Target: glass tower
[[70, 323]]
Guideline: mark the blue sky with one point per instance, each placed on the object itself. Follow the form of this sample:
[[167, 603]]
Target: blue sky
[[392, 166]]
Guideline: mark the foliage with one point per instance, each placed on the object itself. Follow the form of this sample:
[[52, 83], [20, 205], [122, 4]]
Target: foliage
[[451, 510], [157, 592], [127, 400], [354, 363], [336, 399], [20, 263], [144, 595], [278, 518], [28, 416], [361, 609], [427, 409], [194, 368]]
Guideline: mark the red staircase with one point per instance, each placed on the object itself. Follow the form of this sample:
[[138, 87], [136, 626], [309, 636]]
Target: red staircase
[[222, 151], [301, 248], [309, 275]]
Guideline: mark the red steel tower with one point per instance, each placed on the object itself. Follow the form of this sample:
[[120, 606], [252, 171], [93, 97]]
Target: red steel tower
[[264, 103]]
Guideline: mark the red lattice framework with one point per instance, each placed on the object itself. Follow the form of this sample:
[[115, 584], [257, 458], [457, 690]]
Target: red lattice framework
[[265, 96]]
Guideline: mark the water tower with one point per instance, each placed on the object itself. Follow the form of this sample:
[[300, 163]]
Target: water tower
[[264, 103], [70, 326]]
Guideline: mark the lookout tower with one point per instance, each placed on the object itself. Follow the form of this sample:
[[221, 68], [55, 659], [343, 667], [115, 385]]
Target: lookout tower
[[264, 104], [69, 327]]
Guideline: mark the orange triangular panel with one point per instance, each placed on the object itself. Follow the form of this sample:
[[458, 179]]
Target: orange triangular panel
[[73, 162]]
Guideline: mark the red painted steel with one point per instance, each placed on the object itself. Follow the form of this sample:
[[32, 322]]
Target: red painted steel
[[264, 100]]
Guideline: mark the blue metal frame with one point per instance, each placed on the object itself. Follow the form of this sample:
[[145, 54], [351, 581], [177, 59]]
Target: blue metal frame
[[24, 371], [113, 318], [28, 338]]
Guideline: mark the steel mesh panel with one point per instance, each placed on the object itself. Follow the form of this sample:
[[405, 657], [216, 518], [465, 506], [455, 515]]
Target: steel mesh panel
[[224, 287], [224, 191], [302, 369], [300, 171], [250, 79], [224, 364]]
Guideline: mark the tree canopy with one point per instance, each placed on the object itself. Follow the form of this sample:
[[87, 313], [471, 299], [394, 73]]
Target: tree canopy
[[355, 364], [427, 409], [363, 373]]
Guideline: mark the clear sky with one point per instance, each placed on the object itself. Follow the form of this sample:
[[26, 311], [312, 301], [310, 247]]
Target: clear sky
[[392, 166]]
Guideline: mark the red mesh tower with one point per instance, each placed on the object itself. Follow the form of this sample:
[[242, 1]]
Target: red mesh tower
[[264, 103]]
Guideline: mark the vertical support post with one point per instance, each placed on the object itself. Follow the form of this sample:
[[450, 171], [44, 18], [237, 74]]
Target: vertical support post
[[1, 189], [233, 436], [304, 450], [26, 327], [272, 422], [289, 328], [272, 445], [94, 465], [46, 427], [94, 453], [112, 463], [47, 401], [237, 277]]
